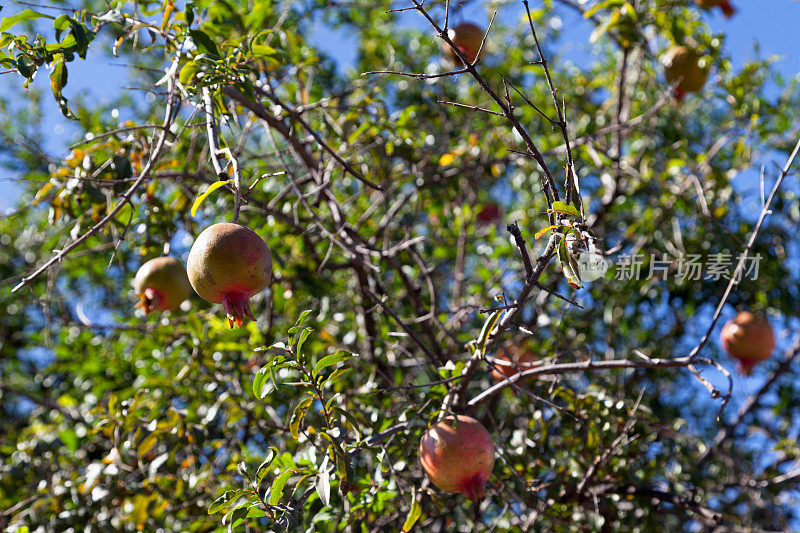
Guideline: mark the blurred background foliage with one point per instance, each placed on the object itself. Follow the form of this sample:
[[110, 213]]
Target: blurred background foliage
[[111, 421]]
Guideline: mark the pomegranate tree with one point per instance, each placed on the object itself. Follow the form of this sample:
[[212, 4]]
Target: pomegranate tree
[[458, 455], [682, 65], [725, 6], [467, 37], [161, 285], [228, 264], [748, 338]]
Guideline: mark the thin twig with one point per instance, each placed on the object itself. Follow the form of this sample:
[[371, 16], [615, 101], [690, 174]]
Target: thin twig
[[169, 117]]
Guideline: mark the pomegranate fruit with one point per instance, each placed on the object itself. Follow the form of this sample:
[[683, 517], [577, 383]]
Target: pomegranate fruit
[[458, 456], [682, 65], [748, 338], [516, 358], [489, 213], [161, 285], [725, 6], [228, 264], [467, 37]]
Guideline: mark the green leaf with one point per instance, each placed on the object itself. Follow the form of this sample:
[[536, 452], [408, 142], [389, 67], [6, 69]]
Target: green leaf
[[204, 43], [562, 207], [26, 66], [323, 487], [569, 266], [350, 418], [147, 444], [225, 501], [338, 373], [259, 382], [330, 360], [61, 23], [263, 468], [256, 512], [236, 515], [188, 72], [413, 514], [58, 78], [213, 187], [302, 317], [27, 14], [262, 51], [301, 339], [70, 439], [276, 492], [297, 416], [344, 467]]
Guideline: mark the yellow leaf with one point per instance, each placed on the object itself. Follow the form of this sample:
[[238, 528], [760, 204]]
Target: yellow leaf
[[182, 373], [327, 337], [446, 159], [548, 228], [112, 456], [139, 515], [42, 192], [214, 186], [413, 514], [147, 444], [169, 9]]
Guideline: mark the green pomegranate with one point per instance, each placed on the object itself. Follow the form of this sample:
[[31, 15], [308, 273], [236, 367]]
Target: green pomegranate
[[682, 65], [161, 285], [228, 264]]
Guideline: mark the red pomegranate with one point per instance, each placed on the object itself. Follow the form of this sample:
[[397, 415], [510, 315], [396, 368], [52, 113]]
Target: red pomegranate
[[748, 338], [161, 285], [458, 456], [517, 358], [489, 213], [725, 5], [228, 264], [467, 37], [682, 65]]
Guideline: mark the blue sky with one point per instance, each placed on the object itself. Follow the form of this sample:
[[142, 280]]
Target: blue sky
[[772, 24]]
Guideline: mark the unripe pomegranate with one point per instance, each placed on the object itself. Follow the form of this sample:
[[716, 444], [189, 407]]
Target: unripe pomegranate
[[228, 264], [458, 457], [489, 213], [748, 338], [161, 285], [725, 5], [682, 63], [516, 358], [467, 37]]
